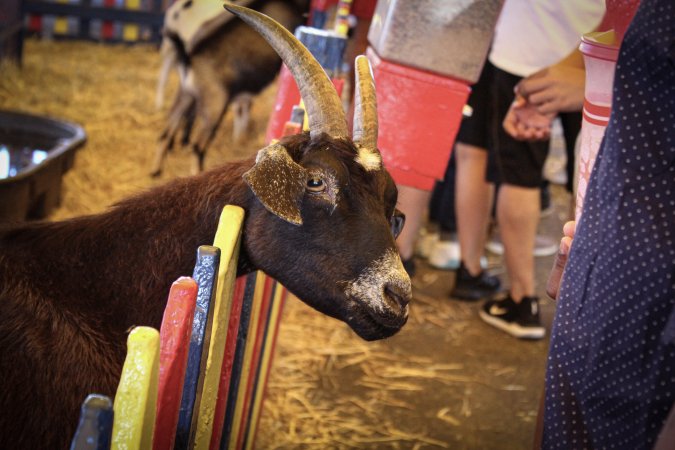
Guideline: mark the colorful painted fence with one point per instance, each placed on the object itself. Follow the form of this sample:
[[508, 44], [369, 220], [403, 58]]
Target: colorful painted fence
[[199, 382], [101, 20]]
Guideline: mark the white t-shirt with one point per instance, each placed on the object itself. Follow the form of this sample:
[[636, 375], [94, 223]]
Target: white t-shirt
[[533, 34]]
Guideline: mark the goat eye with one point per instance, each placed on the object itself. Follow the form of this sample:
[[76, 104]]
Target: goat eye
[[316, 184], [397, 222]]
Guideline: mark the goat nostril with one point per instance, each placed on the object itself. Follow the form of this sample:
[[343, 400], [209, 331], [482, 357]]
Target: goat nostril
[[398, 296]]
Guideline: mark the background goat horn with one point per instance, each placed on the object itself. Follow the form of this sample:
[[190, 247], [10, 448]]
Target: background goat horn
[[324, 108], [365, 106]]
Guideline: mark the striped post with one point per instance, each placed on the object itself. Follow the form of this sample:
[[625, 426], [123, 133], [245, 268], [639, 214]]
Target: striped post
[[242, 359], [259, 312], [278, 300], [227, 239], [175, 343], [136, 398], [205, 274], [226, 371], [257, 341], [96, 423]]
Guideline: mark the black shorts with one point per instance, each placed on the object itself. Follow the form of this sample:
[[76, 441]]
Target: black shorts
[[518, 163], [475, 129]]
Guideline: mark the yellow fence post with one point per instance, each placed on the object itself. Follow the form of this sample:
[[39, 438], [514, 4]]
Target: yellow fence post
[[227, 238], [136, 398]]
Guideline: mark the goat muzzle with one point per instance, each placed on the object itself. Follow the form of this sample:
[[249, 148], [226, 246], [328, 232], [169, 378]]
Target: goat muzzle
[[396, 298]]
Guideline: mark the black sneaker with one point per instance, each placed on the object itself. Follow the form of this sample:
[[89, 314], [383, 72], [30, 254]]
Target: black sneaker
[[469, 287], [520, 320]]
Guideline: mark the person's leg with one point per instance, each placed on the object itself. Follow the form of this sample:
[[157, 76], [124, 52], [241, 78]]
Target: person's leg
[[474, 206], [518, 217], [444, 252], [413, 203], [473, 198], [520, 165], [473, 194], [442, 204]]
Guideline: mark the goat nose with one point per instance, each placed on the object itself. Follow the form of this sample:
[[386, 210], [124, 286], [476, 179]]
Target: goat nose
[[397, 296]]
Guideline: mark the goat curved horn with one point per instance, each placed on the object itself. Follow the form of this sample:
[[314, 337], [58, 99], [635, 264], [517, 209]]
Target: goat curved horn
[[324, 108], [365, 106]]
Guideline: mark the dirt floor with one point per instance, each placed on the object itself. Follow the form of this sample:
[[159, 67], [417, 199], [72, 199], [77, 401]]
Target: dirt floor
[[446, 380]]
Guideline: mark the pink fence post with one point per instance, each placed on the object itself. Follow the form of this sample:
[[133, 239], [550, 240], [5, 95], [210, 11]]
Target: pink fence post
[[174, 345]]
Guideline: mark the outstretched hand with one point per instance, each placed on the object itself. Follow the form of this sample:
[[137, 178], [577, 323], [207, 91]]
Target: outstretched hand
[[524, 123], [553, 283], [555, 89]]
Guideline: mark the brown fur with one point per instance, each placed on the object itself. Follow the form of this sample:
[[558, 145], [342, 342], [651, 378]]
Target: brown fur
[[70, 291]]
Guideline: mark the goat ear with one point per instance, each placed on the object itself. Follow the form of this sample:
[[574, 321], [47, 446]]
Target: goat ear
[[278, 182]]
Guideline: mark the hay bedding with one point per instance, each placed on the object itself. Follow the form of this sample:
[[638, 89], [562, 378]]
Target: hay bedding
[[110, 91], [328, 389]]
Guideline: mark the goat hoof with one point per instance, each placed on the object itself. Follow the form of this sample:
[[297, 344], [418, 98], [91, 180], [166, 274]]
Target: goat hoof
[[156, 173]]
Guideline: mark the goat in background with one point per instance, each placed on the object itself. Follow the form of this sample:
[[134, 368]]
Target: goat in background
[[220, 61], [320, 217]]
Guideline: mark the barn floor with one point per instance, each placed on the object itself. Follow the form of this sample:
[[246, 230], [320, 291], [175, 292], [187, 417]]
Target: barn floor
[[446, 380]]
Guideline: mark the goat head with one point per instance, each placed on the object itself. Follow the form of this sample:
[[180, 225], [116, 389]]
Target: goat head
[[331, 204]]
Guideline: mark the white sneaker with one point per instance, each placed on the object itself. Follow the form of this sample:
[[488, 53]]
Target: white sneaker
[[445, 255], [425, 243], [545, 246]]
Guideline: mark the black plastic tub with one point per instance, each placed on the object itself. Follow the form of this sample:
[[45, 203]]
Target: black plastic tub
[[35, 152]]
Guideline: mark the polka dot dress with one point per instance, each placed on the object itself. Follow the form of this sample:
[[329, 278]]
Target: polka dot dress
[[610, 380]]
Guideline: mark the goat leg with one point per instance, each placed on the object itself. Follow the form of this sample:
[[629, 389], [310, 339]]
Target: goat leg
[[212, 102], [241, 105], [181, 108], [189, 123], [168, 54]]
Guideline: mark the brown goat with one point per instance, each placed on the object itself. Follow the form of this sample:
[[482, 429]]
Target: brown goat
[[320, 218], [216, 68]]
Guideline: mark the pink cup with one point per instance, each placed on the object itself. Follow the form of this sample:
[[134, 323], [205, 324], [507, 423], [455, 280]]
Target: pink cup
[[600, 50], [600, 56]]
